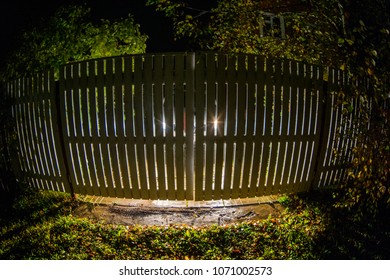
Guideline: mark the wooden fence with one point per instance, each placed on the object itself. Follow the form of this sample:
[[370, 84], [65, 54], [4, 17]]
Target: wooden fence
[[180, 126]]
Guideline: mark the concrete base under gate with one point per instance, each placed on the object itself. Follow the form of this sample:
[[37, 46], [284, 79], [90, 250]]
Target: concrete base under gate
[[188, 213]]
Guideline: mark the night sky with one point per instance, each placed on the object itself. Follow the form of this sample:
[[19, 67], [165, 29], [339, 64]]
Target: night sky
[[16, 15]]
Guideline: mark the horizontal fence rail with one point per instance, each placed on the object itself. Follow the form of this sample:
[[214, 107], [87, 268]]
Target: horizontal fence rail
[[181, 126]]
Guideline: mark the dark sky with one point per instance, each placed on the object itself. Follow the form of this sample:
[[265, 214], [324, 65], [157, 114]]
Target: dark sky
[[16, 15]]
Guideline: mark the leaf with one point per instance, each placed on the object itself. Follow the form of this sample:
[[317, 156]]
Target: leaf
[[370, 71]]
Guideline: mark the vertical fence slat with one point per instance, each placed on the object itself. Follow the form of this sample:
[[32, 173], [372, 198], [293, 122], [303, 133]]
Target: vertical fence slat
[[268, 128], [102, 146], [277, 148], [149, 123], [26, 114], [259, 124], [169, 125], [31, 141], [200, 126], [284, 144], [294, 128], [230, 126], [249, 132], [159, 123], [210, 122], [189, 123], [139, 126], [85, 146], [119, 93], [308, 81], [221, 110], [49, 92], [287, 105], [47, 95], [129, 127], [36, 95], [26, 120], [39, 130], [301, 124], [110, 163], [92, 144], [179, 129], [77, 138], [240, 125], [62, 107], [69, 128], [122, 183]]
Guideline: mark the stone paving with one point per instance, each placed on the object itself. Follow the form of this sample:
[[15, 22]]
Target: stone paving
[[166, 213]]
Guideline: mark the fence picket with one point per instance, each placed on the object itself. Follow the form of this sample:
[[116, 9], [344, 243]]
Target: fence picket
[[285, 111], [179, 129], [294, 127], [123, 188], [92, 126], [69, 128], [86, 144], [139, 126], [110, 163], [276, 162], [28, 114], [40, 127], [189, 123], [250, 93], [102, 151], [200, 128], [37, 96], [159, 124], [211, 116], [230, 126], [240, 120], [131, 163], [267, 130], [259, 126], [149, 125], [221, 125], [169, 125], [76, 139], [51, 131]]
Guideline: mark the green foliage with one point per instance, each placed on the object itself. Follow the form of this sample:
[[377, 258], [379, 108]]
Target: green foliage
[[40, 225], [69, 36], [367, 52], [233, 26]]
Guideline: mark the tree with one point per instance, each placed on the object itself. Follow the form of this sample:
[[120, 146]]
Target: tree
[[234, 26], [68, 36]]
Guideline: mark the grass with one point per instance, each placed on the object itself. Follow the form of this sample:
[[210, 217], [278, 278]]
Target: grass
[[40, 225]]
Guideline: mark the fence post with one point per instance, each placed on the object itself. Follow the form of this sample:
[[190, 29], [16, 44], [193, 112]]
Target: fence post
[[322, 136], [61, 143]]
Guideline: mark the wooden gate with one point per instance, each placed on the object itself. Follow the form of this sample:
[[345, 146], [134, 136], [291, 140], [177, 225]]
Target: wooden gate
[[179, 126]]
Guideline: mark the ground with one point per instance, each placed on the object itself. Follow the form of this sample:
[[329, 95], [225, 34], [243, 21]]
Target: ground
[[143, 212]]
